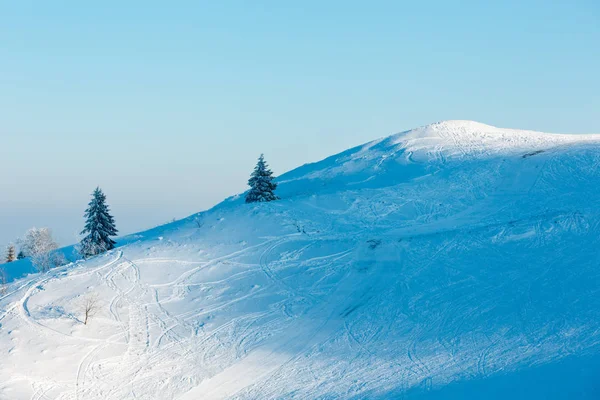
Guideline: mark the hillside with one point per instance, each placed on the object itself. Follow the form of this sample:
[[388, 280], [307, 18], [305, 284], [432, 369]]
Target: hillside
[[456, 260]]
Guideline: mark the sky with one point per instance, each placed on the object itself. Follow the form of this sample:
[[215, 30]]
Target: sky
[[167, 105]]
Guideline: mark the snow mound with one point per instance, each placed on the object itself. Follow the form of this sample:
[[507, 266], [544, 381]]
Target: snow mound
[[456, 260], [422, 151], [463, 139]]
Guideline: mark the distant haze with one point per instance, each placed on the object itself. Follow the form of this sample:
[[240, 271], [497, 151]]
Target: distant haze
[[167, 107]]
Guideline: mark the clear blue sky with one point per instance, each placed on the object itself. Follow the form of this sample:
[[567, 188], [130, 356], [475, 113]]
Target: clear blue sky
[[166, 105]]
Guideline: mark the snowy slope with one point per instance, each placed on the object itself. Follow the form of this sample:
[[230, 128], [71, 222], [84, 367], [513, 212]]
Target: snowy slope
[[456, 260]]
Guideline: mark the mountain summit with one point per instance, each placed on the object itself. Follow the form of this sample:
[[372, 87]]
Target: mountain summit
[[417, 152], [456, 260]]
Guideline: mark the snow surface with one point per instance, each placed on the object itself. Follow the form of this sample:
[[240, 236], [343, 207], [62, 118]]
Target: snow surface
[[456, 260]]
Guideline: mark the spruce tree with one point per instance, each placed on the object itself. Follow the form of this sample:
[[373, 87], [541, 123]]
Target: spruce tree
[[11, 254], [21, 255], [262, 186], [99, 226]]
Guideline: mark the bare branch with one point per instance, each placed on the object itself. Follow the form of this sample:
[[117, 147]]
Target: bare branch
[[89, 306]]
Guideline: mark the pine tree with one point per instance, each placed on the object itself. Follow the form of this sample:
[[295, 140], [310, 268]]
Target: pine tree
[[11, 254], [262, 186], [99, 226], [21, 255]]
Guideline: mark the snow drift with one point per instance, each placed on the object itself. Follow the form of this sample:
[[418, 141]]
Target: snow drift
[[456, 260]]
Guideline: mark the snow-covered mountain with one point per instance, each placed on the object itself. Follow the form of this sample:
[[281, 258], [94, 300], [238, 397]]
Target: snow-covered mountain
[[457, 260]]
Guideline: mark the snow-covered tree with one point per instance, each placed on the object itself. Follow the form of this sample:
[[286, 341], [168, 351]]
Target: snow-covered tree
[[21, 255], [261, 182], [37, 241], [11, 254], [99, 227], [39, 245]]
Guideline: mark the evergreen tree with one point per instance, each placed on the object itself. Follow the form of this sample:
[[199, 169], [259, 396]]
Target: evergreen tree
[[11, 254], [262, 186], [21, 255], [99, 226]]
